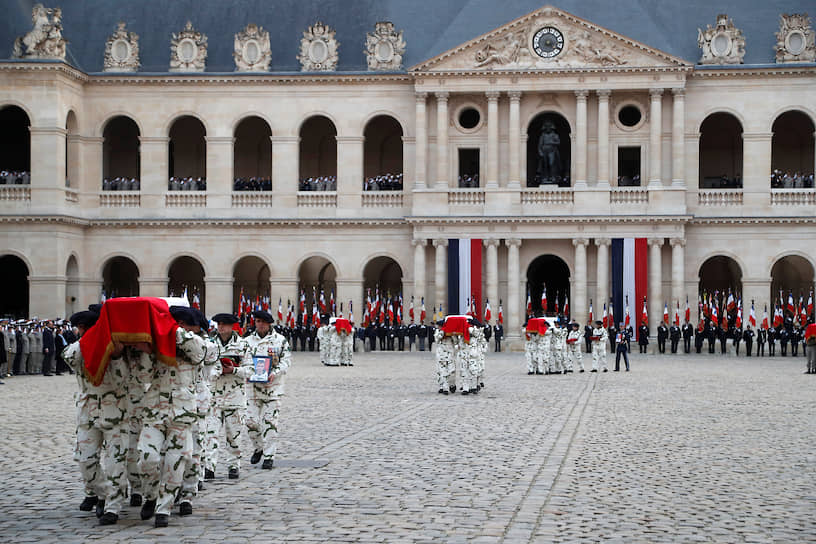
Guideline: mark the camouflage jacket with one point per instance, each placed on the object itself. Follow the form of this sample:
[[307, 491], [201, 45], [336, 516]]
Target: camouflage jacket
[[602, 334], [105, 405], [141, 367], [229, 390], [262, 346]]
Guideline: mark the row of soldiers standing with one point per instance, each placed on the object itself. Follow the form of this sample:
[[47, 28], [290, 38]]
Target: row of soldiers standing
[[157, 425]]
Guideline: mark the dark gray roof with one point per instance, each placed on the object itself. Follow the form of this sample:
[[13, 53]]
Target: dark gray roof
[[431, 26]]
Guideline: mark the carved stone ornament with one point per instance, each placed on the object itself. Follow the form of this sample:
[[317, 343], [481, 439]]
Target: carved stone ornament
[[45, 40], [384, 47], [318, 49], [252, 51], [188, 50], [122, 51], [723, 44], [795, 39]]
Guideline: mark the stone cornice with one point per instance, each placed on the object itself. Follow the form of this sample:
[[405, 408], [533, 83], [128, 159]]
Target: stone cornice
[[238, 78], [791, 220], [55, 66], [754, 71], [554, 72], [544, 219]]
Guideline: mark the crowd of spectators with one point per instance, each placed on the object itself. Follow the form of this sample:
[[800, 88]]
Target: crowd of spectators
[[12, 177], [791, 180], [383, 182], [186, 184], [320, 183], [121, 184], [252, 184], [469, 181]]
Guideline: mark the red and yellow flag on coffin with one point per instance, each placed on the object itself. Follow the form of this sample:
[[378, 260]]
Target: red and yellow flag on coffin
[[130, 321]]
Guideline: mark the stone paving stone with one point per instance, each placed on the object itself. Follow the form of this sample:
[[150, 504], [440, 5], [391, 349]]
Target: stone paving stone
[[682, 449]]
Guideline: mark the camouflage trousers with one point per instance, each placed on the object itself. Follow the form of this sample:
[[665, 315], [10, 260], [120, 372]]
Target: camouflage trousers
[[598, 356], [346, 350], [531, 355], [262, 425], [107, 479], [210, 453], [232, 420], [576, 358], [165, 448], [193, 471], [134, 473], [445, 368], [464, 364]]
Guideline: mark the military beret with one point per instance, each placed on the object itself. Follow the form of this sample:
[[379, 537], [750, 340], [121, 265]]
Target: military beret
[[263, 316], [183, 314], [200, 319], [598, 323], [229, 319], [84, 319], [95, 308]]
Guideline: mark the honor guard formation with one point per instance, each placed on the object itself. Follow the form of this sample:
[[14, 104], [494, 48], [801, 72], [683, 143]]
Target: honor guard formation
[[460, 354]]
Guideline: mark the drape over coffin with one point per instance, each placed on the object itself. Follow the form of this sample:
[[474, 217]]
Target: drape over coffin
[[128, 320]]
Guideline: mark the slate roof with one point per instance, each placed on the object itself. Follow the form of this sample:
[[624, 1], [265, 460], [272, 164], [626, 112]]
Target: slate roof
[[430, 27]]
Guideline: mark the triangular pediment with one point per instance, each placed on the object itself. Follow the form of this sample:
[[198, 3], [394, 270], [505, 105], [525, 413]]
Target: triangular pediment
[[583, 45]]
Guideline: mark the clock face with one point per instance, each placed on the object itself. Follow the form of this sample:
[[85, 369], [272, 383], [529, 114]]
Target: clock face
[[548, 42]]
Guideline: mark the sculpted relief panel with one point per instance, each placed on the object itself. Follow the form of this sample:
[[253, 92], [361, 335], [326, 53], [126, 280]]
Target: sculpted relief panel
[[188, 50], [45, 40], [721, 44], [122, 51], [318, 49], [252, 51], [795, 39], [384, 48]]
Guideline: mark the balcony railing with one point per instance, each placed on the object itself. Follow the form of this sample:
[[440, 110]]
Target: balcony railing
[[185, 199], [466, 197], [381, 199], [544, 197], [252, 199], [719, 197], [15, 193], [629, 195], [71, 195], [119, 199], [793, 197], [317, 199]]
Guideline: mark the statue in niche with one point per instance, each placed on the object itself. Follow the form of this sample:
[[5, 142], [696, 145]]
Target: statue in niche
[[549, 155]]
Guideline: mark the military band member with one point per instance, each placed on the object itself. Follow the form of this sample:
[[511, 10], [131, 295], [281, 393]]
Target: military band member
[[264, 397], [599, 340]]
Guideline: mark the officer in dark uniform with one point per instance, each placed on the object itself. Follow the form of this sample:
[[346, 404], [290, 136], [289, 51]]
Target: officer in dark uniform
[[723, 336], [382, 333], [748, 336], [391, 336], [772, 338], [621, 348], [643, 337], [699, 338], [796, 339], [371, 336], [736, 334], [498, 335], [412, 333], [674, 337], [612, 331], [762, 337], [688, 332], [422, 335], [784, 337], [431, 330], [312, 336], [488, 333], [662, 336], [711, 336], [587, 335], [402, 332]]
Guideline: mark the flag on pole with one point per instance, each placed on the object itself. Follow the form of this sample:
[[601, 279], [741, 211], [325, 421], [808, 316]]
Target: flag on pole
[[487, 314], [752, 316], [411, 309], [196, 301], [665, 312], [315, 315], [644, 315], [332, 308], [556, 303], [730, 304], [322, 302], [765, 318], [611, 314], [590, 310], [529, 304], [677, 314], [627, 319], [778, 317], [351, 313], [280, 309], [790, 302], [302, 301], [566, 305], [422, 310], [501, 313], [605, 317], [738, 323], [543, 299], [714, 318], [688, 310], [810, 304]]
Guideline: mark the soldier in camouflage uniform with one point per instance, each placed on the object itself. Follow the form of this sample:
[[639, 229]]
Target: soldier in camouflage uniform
[[600, 339], [544, 352], [141, 367], [264, 398], [346, 347], [575, 340], [476, 356], [445, 366], [324, 339], [229, 394], [530, 350], [102, 423], [170, 411]]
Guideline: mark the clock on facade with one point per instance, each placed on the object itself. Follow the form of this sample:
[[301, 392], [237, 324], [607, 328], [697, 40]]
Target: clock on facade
[[548, 42]]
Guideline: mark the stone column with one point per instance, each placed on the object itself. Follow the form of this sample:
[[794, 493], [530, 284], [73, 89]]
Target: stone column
[[285, 170], [678, 246], [440, 273], [580, 139], [579, 292], [514, 137], [155, 286], [603, 138], [90, 179], [492, 139], [419, 267], [514, 310], [47, 167], [349, 174], [46, 296], [219, 171], [154, 169], [74, 171], [421, 145], [756, 167], [678, 138], [218, 297], [442, 152], [655, 137], [602, 273], [655, 285], [492, 246]]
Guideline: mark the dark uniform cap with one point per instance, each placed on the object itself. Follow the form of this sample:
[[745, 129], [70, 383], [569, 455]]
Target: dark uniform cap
[[263, 316], [598, 323], [184, 315], [95, 308], [84, 319], [200, 319], [229, 319]]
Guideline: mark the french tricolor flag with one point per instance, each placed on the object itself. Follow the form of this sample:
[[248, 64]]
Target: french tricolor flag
[[464, 275], [630, 272]]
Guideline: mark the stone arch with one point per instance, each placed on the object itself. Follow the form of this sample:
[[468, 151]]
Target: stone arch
[[71, 284], [252, 148], [720, 151], [314, 273], [14, 274], [186, 272], [536, 176], [120, 277], [121, 156], [791, 273], [241, 117], [792, 147], [553, 272], [720, 273], [318, 148], [72, 149], [187, 147], [15, 139], [114, 115], [404, 127], [382, 149], [382, 272], [250, 276]]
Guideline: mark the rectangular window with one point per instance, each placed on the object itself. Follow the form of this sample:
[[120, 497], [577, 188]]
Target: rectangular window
[[468, 168], [629, 167]]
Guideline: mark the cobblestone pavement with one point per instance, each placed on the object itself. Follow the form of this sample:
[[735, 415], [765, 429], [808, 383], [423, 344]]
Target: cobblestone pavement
[[681, 449]]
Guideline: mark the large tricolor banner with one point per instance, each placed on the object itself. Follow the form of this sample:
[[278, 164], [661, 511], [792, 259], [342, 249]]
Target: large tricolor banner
[[630, 276], [464, 275]]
